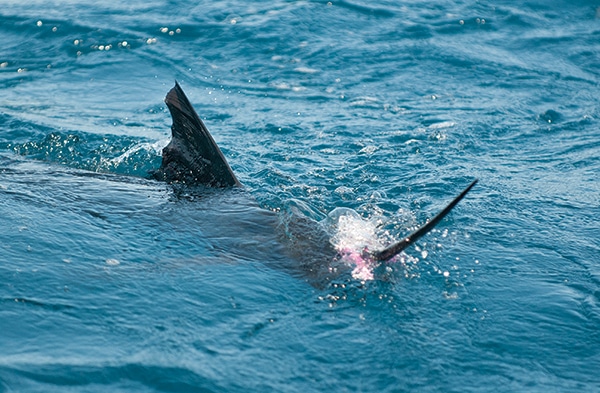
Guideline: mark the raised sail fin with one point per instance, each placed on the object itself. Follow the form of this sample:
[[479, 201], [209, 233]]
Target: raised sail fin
[[192, 157]]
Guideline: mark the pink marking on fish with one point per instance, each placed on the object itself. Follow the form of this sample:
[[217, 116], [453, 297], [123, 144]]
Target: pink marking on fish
[[363, 263]]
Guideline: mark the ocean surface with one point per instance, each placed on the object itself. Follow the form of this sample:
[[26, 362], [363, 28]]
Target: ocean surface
[[350, 120]]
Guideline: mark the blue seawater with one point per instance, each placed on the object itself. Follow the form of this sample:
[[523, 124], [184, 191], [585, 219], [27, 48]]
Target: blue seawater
[[113, 282]]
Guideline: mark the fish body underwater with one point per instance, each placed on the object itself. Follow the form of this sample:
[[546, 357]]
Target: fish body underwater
[[192, 158]]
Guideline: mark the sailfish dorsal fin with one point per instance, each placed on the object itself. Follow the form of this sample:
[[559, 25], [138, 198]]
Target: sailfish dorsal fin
[[192, 157]]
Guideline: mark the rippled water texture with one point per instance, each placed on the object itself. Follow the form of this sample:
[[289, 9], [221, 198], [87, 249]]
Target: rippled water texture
[[348, 122]]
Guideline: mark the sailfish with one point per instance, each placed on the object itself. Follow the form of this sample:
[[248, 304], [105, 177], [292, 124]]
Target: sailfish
[[192, 158]]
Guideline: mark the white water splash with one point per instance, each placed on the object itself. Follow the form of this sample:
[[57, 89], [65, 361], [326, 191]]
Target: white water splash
[[352, 236], [156, 147]]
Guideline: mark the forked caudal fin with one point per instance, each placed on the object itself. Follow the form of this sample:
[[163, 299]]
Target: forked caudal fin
[[192, 157], [395, 249]]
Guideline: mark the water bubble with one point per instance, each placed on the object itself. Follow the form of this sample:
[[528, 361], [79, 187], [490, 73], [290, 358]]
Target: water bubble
[[550, 116]]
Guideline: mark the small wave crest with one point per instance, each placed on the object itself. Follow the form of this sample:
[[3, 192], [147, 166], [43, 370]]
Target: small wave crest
[[95, 153]]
